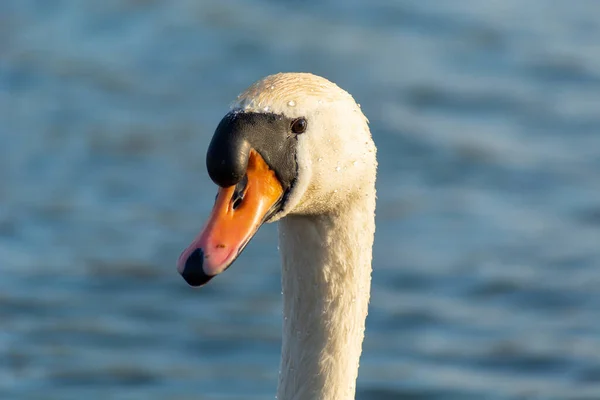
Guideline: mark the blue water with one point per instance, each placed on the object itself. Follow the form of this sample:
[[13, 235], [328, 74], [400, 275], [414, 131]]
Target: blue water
[[487, 257]]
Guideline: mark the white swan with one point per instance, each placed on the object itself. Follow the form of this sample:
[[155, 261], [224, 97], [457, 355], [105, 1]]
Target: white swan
[[297, 148]]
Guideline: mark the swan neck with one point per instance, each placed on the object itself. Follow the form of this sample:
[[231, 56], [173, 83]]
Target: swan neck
[[326, 279]]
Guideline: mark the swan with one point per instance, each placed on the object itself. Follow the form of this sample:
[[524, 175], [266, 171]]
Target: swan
[[297, 149]]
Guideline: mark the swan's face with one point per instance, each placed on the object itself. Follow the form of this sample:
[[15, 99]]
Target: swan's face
[[292, 144]]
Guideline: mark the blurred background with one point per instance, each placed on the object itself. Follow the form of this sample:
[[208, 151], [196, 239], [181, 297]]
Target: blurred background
[[486, 262]]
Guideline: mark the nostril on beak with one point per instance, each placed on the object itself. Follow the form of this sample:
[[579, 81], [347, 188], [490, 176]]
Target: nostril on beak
[[240, 191], [193, 273], [237, 202]]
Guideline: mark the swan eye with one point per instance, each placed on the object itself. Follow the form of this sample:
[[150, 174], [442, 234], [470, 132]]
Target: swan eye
[[299, 125]]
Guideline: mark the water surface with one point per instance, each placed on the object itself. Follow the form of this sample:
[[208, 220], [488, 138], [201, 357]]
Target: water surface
[[485, 282]]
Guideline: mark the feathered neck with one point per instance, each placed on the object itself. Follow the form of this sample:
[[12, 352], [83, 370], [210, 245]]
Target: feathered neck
[[326, 281]]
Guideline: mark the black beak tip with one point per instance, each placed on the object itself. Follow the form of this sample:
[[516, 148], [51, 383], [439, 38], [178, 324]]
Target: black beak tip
[[193, 273]]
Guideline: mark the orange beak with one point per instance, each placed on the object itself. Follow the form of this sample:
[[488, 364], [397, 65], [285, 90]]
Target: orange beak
[[236, 216]]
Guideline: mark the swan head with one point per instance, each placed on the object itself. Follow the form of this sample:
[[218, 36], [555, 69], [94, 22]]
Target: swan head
[[292, 144]]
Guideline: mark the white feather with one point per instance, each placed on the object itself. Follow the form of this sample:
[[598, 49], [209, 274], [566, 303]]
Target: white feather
[[325, 234]]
